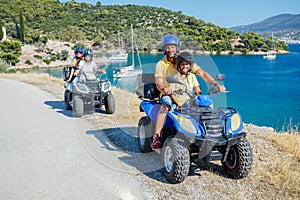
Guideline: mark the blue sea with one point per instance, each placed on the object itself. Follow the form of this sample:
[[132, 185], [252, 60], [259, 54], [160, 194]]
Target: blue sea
[[266, 93]]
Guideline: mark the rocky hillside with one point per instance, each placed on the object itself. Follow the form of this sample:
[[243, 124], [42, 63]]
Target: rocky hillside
[[284, 25]]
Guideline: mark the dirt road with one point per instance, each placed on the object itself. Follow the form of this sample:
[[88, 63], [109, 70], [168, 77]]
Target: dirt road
[[43, 153]]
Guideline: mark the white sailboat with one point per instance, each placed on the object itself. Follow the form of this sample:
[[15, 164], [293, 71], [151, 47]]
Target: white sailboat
[[271, 55], [119, 56], [129, 71]]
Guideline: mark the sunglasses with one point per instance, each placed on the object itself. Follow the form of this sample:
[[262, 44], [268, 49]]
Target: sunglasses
[[78, 52]]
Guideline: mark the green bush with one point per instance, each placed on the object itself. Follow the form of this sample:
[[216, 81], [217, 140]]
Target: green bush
[[3, 66], [11, 70], [28, 62], [47, 61], [64, 55], [54, 56], [38, 57], [10, 51]]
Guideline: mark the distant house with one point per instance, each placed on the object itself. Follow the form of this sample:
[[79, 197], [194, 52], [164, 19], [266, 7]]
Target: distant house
[[4, 33]]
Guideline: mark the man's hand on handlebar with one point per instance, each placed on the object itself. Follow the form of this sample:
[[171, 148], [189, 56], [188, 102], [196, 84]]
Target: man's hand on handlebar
[[221, 88]]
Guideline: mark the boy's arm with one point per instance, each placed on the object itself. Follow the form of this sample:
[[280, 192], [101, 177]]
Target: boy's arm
[[198, 90], [175, 100]]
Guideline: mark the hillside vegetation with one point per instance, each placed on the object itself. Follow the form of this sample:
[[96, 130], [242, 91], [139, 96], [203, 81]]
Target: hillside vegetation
[[36, 21]]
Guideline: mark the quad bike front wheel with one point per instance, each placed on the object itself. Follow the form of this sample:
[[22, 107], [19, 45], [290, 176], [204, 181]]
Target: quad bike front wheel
[[78, 106], [175, 160], [110, 104], [145, 134], [239, 160]]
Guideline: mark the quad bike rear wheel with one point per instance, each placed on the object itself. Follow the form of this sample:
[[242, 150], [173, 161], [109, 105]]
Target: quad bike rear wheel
[[145, 134], [239, 160]]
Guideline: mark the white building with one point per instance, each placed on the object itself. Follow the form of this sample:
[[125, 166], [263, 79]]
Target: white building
[[4, 33]]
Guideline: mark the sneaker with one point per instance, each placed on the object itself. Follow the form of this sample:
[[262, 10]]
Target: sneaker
[[156, 143]]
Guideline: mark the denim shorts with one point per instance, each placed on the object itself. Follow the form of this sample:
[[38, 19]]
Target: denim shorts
[[166, 100]]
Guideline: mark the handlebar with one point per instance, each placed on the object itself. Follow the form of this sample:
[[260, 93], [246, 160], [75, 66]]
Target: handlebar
[[214, 90]]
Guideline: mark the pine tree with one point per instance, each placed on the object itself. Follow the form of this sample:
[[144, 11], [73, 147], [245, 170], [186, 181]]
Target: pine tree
[[22, 28], [1, 32]]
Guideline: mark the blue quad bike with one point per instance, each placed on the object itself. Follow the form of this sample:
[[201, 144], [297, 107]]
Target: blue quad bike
[[196, 132]]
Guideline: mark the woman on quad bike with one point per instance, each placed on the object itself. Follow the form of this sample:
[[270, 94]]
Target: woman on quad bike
[[88, 67], [73, 78], [184, 63]]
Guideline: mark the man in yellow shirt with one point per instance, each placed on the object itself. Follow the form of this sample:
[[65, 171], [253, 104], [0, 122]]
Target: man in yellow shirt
[[166, 67]]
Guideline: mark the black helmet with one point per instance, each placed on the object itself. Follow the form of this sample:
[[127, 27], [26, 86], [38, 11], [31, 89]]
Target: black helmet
[[88, 52], [187, 57]]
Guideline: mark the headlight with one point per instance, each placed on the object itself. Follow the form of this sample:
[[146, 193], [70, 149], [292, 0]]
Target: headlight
[[81, 88], [234, 123], [105, 86]]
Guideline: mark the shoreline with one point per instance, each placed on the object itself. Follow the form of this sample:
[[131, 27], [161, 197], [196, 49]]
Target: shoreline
[[29, 53], [105, 61]]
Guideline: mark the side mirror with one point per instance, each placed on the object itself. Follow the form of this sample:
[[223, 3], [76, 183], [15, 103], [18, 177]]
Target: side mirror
[[173, 79], [220, 77]]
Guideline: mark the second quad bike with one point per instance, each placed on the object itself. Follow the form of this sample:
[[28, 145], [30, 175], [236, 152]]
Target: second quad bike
[[88, 95], [92, 94]]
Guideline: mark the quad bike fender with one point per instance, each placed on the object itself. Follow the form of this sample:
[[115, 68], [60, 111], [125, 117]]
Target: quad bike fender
[[184, 124], [174, 120], [151, 109]]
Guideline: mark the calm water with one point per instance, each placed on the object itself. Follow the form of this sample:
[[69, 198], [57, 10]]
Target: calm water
[[266, 93]]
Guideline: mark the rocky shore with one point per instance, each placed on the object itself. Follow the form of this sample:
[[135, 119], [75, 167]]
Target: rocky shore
[[29, 52]]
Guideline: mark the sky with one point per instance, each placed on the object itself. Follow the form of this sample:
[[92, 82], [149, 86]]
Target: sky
[[224, 13]]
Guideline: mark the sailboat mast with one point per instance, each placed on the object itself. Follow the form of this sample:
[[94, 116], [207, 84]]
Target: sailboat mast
[[273, 43], [119, 39], [132, 48]]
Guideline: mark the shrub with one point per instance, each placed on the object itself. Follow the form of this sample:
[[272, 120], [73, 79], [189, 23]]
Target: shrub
[[47, 61], [28, 62], [64, 55], [3, 65], [38, 57]]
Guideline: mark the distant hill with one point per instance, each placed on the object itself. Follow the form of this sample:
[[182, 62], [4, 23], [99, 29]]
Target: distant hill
[[283, 26]]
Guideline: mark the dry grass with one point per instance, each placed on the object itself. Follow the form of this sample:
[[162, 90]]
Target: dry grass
[[290, 143], [280, 164], [35, 79], [287, 171], [276, 170]]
